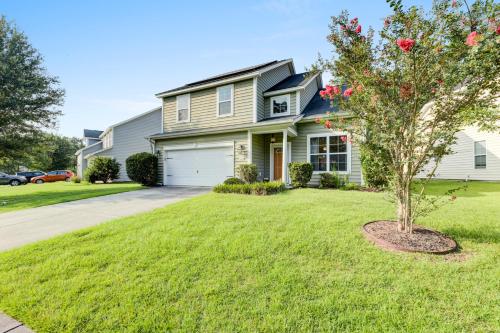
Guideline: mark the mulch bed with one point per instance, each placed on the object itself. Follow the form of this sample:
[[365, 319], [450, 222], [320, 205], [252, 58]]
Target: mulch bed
[[385, 235]]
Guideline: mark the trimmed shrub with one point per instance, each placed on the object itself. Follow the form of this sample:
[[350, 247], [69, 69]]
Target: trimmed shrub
[[374, 161], [259, 188], [248, 173], [103, 169], [332, 180], [142, 168], [300, 173], [351, 187], [76, 180], [233, 181]]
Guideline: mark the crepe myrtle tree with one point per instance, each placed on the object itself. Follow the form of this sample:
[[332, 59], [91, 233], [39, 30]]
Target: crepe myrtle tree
[[426, 77]]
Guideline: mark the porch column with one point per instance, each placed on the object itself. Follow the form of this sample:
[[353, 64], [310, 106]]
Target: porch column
[[285, 157]]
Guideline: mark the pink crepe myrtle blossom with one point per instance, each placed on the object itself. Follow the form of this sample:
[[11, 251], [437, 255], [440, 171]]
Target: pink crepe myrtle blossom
[[359, 88], [343, 138], [358, 29], [354, 21], [322, 93], [454, 4], [348, 92], [498, 30], [328, 124], [472, 39], [405, 44]]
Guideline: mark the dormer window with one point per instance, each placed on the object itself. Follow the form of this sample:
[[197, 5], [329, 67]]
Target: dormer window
[[225, 100], [183, 108], [280, 105]]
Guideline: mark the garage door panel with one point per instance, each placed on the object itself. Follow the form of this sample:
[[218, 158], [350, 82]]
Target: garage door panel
[[199, 167]]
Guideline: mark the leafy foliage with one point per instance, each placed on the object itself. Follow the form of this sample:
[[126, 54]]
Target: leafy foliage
[[374, 162], [233, 181], [247, 173], [260, 188], [300, 173], [103, 169], [142, 168], [76, 180], [29, 97], [429, 75]]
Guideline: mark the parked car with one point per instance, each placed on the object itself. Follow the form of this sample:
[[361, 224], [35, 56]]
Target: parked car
[[12, 180], [30, 174], [53, 176]]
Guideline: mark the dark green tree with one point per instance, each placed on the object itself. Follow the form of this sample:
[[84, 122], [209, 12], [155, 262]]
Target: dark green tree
[[29, 97]]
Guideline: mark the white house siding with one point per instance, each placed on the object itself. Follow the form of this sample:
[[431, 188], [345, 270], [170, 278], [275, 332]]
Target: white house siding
[[309, 91], [299, 151], [240, 140], [460, 164], [82, 163], [266, 81], [130, 138]]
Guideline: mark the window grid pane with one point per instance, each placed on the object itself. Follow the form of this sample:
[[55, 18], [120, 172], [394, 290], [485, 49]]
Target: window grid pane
[[183, 114], [224, 94], [224, 108]]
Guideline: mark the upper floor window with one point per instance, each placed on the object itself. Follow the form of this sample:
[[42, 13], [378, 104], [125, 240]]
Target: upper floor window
[[183, 108], [328, 153], [107, 140], [280, 105], [225, 100], [480, 155]]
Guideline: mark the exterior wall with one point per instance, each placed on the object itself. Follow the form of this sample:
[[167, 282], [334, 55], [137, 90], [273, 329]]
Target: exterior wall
[[266, 81], [299, 151], [309, 91], [81, 162], [258, 154], [130, 138], [240, 140], [203, 110], [460, 164], [278, 137], [293, 105]]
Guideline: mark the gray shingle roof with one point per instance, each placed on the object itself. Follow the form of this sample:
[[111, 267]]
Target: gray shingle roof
[[226, 75], [87, 133], [290, 82], [319, 106]]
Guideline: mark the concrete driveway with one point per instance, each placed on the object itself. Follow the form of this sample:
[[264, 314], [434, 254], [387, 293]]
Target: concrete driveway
[[30, 225]]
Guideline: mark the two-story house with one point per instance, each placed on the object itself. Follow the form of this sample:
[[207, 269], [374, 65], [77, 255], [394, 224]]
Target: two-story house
[[262, 114]]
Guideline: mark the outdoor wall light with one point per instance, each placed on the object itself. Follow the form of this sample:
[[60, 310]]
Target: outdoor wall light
[[273, 139]]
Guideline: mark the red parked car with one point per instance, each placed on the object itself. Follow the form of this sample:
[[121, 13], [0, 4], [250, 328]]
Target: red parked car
[[53, 176]]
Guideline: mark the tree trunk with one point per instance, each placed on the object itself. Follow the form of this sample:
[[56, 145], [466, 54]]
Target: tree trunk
[[404, 212]]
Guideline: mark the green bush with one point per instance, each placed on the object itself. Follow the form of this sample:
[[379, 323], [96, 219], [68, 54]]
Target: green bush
[[332, 180], [351, 187], [300, 173], [142, 168], [103, 169], [259, 188], [248, 173], [374, 162], [76, 179], [233, 181]]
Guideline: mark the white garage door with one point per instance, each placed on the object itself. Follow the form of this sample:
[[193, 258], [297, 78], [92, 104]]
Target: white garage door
[[199, 167]]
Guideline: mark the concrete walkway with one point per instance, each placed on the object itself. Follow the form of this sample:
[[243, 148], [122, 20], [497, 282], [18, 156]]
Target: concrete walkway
[[30, 225], [7, 324]]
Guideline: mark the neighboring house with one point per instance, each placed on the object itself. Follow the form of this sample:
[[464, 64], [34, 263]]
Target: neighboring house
[[92, 144], [121, 140], [262, 114], [476, 156]]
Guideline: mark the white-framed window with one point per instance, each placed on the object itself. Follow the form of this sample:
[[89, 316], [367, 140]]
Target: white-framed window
[[225, 100], [183, 108], [280, 105], [480, 154], [329, 152]]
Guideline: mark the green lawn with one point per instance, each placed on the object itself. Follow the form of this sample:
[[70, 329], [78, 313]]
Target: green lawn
[[292, 262], [35, 195]]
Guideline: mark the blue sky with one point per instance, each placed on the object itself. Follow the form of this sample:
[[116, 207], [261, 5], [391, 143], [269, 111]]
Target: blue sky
[[112, 56]]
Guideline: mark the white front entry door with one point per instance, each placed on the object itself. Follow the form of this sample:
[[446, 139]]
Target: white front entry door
[[199, 166]]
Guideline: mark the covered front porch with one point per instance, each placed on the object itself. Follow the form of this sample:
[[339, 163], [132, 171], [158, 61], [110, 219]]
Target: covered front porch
[[271, 150]]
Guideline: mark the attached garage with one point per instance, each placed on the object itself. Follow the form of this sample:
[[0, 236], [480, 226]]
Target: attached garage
[[198, 165]]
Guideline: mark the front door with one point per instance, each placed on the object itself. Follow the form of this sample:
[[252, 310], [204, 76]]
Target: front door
[[278, 163]]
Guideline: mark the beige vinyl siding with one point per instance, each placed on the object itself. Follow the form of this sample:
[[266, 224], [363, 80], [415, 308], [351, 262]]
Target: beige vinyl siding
[[203, 109], [299, 151], [240, 140], [266, 81], [293, 105], [258, 154], [308, 93], [460, 164]]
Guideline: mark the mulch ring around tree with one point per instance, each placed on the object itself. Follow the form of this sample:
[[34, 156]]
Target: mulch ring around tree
[[385, 235]]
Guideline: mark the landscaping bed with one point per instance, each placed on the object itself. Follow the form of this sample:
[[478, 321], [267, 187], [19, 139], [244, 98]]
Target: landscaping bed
[[385, 235]]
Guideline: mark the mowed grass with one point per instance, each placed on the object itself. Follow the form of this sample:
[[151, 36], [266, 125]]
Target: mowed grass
[[36, 195], [293, 262]]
